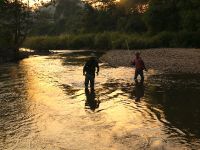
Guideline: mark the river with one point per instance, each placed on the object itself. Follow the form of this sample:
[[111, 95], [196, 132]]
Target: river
[[43, 105]]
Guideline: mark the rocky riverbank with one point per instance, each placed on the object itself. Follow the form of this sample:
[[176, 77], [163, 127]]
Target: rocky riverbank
[[179, 60]]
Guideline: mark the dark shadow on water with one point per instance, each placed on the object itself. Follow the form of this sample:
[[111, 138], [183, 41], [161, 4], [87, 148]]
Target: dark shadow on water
[[112, 88], [78, 57], [74, 57], [176, 96], [69, 90], [138, 91], [179, 98], [91, 102]]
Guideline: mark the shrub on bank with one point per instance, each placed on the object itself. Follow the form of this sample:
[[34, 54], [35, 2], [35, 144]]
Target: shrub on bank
[[40, 43], [118, 40], [103, 41], [163, 39], [113, 40], [187, 39], [81, 42]]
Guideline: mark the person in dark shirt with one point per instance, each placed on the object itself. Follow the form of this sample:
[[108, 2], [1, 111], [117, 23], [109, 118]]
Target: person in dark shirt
[[89, 69]]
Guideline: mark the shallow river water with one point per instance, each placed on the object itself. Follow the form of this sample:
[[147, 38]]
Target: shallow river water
[[43, 105]]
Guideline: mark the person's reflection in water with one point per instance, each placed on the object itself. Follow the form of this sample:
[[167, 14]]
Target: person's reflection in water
[[91, 101], [139, 91]]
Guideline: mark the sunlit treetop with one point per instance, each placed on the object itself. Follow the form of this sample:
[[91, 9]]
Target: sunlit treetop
[[139, 5], [35, 3], [100, 3], [131, 5]]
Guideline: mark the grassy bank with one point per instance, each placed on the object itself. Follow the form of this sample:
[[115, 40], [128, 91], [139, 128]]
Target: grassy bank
[[114, 40]]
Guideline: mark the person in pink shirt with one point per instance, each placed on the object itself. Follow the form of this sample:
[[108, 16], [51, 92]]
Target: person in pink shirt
[[139, 67]]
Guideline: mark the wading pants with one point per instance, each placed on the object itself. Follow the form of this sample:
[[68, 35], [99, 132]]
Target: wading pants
[[139, 72], [89, 78]]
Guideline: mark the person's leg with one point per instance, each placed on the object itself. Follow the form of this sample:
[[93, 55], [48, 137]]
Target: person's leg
[[136, 74], [142, 76], [86, 81], [92, 82]]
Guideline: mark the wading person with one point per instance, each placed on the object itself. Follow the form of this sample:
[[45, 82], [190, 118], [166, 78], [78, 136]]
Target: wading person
[[89, 69], [139, 67]]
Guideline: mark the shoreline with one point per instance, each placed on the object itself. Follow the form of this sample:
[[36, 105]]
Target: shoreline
[[165, 60]]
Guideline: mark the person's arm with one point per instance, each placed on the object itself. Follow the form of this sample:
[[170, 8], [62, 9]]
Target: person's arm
[[133, 62], [84, 69], [143, 64], [97, 66]]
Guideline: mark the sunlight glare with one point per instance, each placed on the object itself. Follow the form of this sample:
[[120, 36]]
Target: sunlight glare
[[35, 2]]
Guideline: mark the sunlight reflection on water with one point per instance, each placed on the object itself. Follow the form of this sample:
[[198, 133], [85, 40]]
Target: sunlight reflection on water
[[44, 106]]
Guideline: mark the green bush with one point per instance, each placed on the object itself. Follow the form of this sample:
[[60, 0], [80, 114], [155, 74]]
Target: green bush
[[135, 43], [76, 42], [163, 39], [187, 39], [113, 41], [81, 41], [103, 41], [119, 40], [119, 43]]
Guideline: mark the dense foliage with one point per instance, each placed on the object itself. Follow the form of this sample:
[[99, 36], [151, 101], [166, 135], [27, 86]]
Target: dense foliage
[[113, 40], [94, 24], [173, 15], [130, 16], [75, 16], [15, 21], [15, 18]]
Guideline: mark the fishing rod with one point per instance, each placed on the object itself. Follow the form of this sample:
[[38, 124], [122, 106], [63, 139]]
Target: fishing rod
[[128, 50]]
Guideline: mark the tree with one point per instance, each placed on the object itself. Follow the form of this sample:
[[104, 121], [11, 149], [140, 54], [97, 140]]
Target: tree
[[16, 18], [173, 15], [14, 22], [89, 17], [68, 16], [163, 15], [135, 24], [101, 4], [134, 5], [190, 16], [44, 23], [101, 15]]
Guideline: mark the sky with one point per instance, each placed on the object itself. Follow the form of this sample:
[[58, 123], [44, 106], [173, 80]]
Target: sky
[[32, 2]]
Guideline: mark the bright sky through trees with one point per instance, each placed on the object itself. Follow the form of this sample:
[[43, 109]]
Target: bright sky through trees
[[33, 2]]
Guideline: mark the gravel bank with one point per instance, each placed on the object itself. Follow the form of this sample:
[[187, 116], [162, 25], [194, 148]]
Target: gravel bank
[[165, 60]]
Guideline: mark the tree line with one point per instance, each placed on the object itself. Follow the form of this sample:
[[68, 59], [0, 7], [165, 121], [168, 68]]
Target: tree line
[[130, 16], [144, 23], [16, 18]]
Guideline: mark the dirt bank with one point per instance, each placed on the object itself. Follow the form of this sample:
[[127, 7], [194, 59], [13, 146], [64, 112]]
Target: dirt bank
[[165, 60]]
